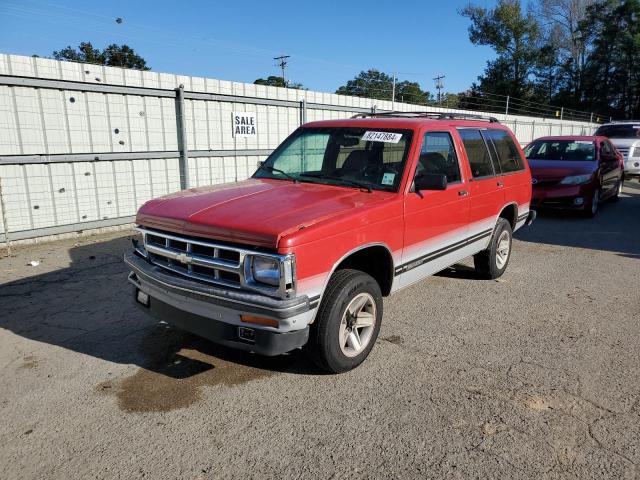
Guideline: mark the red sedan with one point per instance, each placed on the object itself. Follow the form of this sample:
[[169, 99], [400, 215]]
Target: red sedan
[[574, 172]]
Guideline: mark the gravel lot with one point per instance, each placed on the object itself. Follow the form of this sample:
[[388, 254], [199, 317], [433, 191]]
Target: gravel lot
[[536, 375]]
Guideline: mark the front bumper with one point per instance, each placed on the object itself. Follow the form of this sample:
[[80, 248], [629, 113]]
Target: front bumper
[[562, 196], [632, 167], [214, 313]]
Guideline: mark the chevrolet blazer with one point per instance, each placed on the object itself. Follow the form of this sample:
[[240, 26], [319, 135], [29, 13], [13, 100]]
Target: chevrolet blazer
[[340, 215]]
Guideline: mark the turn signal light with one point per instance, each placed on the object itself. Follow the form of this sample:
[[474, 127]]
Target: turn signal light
[[269, 322]]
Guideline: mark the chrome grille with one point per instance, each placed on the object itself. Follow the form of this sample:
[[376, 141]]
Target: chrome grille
[[206, 262], [624, 151], [214, 263]]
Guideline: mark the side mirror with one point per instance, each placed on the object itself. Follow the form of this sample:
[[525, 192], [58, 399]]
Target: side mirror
[[430, 181]]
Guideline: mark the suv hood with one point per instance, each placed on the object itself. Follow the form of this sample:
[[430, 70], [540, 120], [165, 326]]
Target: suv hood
[[556, 169], [255, 211]]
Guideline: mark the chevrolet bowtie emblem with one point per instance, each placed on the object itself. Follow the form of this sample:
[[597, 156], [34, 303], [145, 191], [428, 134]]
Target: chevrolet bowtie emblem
[[184, 258]]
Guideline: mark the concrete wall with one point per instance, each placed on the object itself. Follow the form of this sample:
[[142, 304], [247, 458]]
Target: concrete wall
[[83, 146]]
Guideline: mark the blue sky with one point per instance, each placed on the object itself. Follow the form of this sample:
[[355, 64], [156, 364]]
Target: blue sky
[[329, 41]]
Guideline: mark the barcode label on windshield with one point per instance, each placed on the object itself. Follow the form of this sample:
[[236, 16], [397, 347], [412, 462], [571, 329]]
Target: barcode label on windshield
[[387, 137]]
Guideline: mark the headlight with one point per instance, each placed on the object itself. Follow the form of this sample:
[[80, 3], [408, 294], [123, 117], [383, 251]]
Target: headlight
[[575, 179], [266, 270]]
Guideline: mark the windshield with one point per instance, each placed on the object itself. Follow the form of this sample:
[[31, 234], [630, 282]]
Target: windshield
[[577, 150], [360, 157], [620, 131]]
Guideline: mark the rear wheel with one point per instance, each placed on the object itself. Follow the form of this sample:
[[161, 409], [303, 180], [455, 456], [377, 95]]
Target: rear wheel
[[348, 322], [492, 262]]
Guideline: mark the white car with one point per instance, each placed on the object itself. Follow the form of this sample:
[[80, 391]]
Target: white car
[[625, 135]]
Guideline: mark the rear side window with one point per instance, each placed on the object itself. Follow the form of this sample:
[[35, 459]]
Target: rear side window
[[477, 153], [507, 152]]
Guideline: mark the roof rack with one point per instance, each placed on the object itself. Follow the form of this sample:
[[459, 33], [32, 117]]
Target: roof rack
[[431, 115]]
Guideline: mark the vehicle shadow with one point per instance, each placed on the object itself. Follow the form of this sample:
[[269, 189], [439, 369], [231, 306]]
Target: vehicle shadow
[[88, 308], [616, 227], [459, 271]]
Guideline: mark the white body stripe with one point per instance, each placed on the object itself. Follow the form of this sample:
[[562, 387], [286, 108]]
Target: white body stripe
[[315, 286]]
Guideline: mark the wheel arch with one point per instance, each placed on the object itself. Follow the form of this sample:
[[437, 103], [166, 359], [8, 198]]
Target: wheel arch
[[361, 258], [510, 213]]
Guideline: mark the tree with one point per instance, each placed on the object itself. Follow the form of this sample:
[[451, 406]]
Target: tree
[[275, 81], [410, 92], [114, 56], [565, 38], [376, 84], [515, 36], [612, 76]]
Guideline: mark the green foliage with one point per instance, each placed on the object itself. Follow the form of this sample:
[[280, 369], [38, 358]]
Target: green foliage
[[515, 36], [376, 84], [275, 81], [612, 71], [582, 54], [113, 56]]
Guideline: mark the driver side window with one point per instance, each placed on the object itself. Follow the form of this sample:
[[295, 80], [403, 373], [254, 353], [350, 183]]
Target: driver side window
[[606, 150], [438, 156]]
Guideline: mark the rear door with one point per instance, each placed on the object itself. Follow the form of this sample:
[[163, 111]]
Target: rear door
[[486, 190], [509, 161], [436, 221]]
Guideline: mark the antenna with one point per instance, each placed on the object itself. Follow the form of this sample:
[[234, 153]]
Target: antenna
[[282, 63], [439, 86]]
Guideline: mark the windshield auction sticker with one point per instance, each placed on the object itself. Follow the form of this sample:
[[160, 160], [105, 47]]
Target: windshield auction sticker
[[386, 137]]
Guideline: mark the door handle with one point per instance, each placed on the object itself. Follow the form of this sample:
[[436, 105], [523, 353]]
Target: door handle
[[500, 184], [463, 193]]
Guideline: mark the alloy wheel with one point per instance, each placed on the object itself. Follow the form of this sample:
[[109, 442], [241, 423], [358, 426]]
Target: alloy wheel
[[357, 325], [502, 250]]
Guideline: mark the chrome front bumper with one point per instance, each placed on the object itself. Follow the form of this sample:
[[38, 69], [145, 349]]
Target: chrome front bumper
[[215, 313]]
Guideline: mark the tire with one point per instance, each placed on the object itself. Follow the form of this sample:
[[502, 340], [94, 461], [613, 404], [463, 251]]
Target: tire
[[492, 262], [591, 209], [616, 196], [332, 346]]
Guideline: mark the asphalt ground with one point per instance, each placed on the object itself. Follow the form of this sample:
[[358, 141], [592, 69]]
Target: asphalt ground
[[536, 375]]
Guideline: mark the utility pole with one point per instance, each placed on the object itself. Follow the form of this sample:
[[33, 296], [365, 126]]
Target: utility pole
[[282, 62], [393, 93], [439, 86]]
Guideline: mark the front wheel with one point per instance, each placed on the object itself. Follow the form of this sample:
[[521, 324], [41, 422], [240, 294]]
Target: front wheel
[[616, 196], [592, 207], [492, 262], [348, 322]]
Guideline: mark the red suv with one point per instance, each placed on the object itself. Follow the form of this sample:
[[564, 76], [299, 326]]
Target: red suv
[[343, 213]]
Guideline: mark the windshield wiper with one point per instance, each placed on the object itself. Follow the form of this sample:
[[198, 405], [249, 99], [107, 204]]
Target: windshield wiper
[[346, 181], [277, 170]]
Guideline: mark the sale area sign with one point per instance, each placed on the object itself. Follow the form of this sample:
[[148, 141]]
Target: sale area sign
[[244, 124]]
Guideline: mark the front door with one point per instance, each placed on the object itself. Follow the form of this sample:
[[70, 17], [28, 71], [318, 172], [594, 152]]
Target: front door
[[609, 167], [435, 221]]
